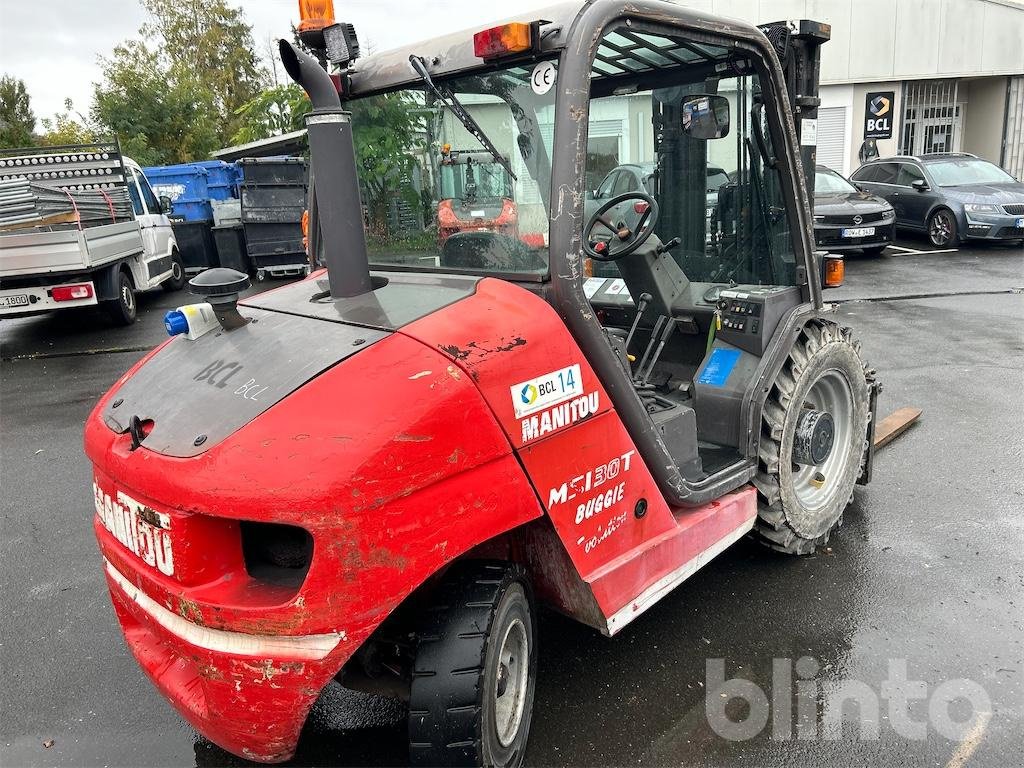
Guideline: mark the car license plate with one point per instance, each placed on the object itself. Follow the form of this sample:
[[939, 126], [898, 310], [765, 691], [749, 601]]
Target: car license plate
[[858, 232], [17, 300], [1020, 222]]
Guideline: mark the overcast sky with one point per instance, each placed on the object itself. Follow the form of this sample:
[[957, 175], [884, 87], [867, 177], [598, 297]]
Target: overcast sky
[[53, 44]]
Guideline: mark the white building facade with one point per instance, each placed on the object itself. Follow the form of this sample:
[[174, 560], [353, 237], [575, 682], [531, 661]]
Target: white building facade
[[947, 75]]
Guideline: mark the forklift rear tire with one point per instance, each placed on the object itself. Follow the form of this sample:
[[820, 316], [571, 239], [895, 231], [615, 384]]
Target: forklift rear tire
[[475, 670], [799, 505], [122, 310]]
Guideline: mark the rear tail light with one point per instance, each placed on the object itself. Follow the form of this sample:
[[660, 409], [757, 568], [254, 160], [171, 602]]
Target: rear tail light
[[71, 292], [503, 40], [276, 554]]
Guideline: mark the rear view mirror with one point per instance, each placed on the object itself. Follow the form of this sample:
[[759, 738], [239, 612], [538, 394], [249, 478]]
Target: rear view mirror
[[920, 185], [705, 116]]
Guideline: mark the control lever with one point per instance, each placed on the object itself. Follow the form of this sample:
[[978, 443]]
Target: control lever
[[641, 307], [650, 345], [666, 247], [670, 325]]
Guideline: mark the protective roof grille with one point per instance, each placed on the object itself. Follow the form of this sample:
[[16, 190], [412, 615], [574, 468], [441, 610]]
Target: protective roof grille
[[625, 51]]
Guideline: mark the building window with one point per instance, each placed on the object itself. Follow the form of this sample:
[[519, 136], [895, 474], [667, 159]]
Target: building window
[[932, 117]]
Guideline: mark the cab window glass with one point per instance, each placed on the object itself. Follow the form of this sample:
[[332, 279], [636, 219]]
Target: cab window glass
[[721, 196], [455, 173], [149, 200], [133, 193], [625, 183], [885, 173], [605, 190], [908, 174]]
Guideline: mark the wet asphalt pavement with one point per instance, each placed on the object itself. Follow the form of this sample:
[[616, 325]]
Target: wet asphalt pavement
[[926, 574]]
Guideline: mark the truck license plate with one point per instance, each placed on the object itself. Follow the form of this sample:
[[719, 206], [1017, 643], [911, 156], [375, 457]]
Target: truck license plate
[[858, 232], [17, 300]]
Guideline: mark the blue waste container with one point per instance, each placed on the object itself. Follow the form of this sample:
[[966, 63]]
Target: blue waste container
[[191, 186]]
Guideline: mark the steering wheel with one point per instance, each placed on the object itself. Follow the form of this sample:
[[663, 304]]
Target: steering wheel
[[622, 241]]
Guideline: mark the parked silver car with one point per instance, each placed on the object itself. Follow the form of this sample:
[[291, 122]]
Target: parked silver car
[[951, 197]]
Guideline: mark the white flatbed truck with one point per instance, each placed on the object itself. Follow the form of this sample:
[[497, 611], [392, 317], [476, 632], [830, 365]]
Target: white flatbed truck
[[62, 262]]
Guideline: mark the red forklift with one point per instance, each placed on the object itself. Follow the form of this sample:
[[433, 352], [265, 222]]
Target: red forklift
[[476, 195], [377, 474]]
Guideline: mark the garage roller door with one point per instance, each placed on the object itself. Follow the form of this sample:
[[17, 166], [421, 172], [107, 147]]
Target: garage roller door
[[832, 137]]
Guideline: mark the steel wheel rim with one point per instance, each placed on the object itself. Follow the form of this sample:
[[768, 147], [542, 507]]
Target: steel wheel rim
[[175, 271], [831, 392], [126, 296], [940, 230], [511, 678]]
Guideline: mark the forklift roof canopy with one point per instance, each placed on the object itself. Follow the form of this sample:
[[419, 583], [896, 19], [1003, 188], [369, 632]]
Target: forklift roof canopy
[[453, 53]]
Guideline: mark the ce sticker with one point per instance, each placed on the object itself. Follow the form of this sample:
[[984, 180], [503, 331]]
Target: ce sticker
[[543, 77]]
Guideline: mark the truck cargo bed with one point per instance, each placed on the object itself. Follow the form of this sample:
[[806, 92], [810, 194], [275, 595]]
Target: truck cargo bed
[[71, 250]]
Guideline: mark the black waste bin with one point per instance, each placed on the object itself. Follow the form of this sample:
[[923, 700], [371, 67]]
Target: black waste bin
[[195, 244], [231, 251]]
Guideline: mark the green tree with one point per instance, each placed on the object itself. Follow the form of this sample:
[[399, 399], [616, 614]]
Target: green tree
[[386, 130], [276, 110], [206, 45], [175, 96], [159, 119], [67, 127], [17, 121]]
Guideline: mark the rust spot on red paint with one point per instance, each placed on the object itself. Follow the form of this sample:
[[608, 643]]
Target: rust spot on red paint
[[453, 351], [478, 352], [404, 438], [190, 610], [210, 672]]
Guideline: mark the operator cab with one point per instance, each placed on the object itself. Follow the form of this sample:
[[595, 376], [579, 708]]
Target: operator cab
[[689, 248], [693, 270]]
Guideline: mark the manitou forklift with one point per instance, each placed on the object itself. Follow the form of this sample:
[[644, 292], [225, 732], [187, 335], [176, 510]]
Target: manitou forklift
[[375, 476]]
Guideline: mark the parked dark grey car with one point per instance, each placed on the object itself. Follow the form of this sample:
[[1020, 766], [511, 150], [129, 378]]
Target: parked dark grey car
[[950, 197], [848, 219]]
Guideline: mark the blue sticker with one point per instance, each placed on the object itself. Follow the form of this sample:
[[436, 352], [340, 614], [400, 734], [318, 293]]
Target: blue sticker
[[719, 366]]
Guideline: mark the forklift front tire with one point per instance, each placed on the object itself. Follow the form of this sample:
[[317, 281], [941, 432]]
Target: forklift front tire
[[475, 670], [801, 500]]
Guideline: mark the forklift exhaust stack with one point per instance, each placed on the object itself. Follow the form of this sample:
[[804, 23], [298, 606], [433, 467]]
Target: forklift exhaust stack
[[333, 159]]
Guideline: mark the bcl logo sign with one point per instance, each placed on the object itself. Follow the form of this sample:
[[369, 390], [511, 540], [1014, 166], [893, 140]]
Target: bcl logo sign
[[878, 114]]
